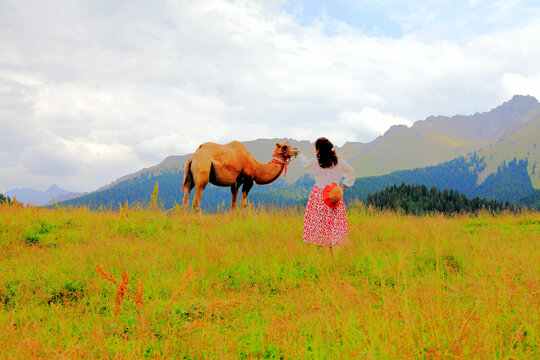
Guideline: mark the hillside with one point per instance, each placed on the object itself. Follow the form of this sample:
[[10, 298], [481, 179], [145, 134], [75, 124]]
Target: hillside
[[524, 143], [510, 183]]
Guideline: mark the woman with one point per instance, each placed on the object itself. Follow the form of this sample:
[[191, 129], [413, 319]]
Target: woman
[[324, 225]]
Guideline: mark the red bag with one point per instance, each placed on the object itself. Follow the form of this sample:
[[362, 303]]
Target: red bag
[[332, 194]]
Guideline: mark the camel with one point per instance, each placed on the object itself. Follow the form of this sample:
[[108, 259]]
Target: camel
[[231, 165]]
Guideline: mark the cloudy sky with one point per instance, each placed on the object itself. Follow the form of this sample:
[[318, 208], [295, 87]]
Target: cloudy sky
[[93, 90]]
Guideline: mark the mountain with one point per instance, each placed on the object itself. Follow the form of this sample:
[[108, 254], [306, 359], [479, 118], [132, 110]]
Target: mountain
[[40, 198], [495, 154], [438, 138]]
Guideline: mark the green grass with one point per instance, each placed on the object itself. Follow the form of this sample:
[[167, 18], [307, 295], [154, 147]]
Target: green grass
[[404, 287]]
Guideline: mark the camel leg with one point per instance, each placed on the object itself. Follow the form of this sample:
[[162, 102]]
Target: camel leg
[[188, 186], [234, 196], [185, 200], [248, 184], [201, 177], [197, 199]]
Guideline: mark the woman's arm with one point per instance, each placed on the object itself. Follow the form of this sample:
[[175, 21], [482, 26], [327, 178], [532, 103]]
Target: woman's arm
[[349, 173], [304, 162]]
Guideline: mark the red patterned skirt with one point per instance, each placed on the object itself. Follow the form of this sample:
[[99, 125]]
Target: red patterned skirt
[[323, 225]]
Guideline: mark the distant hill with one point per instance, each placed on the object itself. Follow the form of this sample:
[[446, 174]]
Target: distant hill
[[40, 198]]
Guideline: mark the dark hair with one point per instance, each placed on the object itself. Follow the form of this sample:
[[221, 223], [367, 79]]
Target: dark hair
[[327, 156]]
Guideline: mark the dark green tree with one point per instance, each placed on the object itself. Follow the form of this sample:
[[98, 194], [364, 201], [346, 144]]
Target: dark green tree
[[5, 199], [417, 200]]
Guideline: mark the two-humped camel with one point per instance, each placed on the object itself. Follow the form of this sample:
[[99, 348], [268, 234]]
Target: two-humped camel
[[231, 165]]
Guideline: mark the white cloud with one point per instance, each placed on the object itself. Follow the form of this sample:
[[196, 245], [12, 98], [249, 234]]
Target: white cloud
[[522, 85], [369, 123], [93, 90]]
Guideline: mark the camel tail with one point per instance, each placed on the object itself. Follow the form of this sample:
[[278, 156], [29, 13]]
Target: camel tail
[[188, 177]]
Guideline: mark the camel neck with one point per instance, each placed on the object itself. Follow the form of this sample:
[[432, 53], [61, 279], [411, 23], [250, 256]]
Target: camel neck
[[268, 173], [278, 161]]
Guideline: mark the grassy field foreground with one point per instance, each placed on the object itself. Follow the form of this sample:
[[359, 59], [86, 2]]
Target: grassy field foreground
[[135, 283]]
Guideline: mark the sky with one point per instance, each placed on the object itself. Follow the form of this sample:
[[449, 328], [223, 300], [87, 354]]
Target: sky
[[93, 90]]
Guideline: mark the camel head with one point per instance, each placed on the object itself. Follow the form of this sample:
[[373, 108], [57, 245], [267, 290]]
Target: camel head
[[284, 151]]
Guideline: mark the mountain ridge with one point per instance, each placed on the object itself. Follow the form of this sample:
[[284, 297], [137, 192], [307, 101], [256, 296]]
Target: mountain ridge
[[440, 138]]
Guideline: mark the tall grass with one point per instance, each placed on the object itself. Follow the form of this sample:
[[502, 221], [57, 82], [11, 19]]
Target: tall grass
[[145, 283]]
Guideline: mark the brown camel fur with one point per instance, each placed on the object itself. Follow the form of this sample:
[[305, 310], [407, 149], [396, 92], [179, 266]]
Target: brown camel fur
[[231, 165]]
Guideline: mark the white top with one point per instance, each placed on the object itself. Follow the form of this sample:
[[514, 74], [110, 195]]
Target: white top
[[327, 176]]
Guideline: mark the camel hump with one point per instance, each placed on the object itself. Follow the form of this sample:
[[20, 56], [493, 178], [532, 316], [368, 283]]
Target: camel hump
[[234, 147], [215, 145], [207, 145], [237, 145]]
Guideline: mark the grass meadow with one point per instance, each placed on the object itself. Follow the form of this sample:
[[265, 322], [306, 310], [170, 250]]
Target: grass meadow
[[141, 283]]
